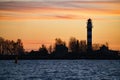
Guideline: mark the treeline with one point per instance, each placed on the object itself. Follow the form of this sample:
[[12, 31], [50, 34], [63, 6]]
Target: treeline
[[10, 47], [60, 48], [76, 49]]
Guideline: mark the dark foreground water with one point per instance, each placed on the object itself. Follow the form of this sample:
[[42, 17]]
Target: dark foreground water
[[60, 70]]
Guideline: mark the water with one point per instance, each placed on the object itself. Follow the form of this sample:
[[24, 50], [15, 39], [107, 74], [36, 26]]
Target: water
[[60, 70]]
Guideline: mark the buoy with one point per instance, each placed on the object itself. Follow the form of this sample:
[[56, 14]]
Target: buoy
[[16, 59]]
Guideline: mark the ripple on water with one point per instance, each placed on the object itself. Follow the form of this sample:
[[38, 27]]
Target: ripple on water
[[60, 70]]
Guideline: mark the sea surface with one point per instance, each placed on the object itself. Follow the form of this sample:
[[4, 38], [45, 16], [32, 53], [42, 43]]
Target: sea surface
[[60, 70]]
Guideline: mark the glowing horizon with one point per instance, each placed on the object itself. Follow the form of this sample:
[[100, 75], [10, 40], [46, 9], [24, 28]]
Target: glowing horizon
[[39, 22]]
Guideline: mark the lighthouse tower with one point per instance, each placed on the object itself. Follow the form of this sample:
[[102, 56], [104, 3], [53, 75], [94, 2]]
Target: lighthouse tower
[[89, 35]]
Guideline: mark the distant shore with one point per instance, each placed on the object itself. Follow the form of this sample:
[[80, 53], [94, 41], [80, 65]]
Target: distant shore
[[27, 57]]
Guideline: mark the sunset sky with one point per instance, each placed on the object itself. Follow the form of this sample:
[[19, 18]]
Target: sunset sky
[[39, 22]]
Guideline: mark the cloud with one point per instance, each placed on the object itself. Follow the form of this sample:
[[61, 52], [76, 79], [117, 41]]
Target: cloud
[[56, 0], [65, 17], [52, 9], [21, 5]]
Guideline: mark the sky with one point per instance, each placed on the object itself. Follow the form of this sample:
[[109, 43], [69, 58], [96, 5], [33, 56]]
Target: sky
[[39, 22]]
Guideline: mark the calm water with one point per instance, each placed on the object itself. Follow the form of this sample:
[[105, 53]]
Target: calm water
[[60, 70]]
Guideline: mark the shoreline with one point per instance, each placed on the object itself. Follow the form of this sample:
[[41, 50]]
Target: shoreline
[[27, 57]]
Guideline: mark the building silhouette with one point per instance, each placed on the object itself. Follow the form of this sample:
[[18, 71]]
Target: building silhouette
[[89, 35]]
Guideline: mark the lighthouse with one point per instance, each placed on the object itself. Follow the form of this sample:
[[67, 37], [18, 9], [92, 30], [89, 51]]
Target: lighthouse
[[89, 35]]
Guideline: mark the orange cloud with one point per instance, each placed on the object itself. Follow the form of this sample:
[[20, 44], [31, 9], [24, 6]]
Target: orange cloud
[[72, 10], [56, 13]]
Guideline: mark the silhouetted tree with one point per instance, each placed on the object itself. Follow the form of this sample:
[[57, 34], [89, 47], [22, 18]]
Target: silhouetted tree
[[19, 46], [82, 46], [60, 47], [8, 47], [1, 45], [74, 45], [58, 41], [43, 50]]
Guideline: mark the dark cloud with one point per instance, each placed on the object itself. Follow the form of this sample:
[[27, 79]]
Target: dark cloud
[[67, 17]]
